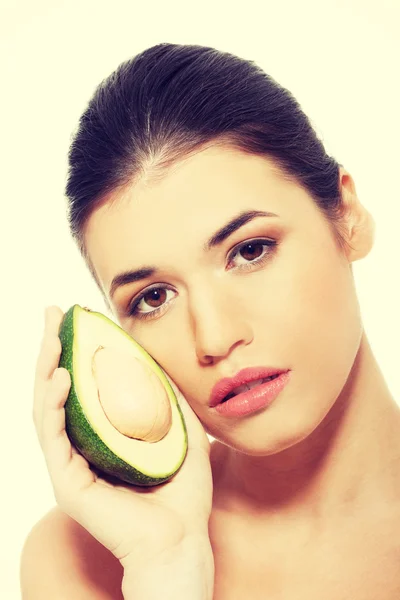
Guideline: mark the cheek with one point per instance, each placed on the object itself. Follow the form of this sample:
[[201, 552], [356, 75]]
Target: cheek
[[328, 316], [305, 311]]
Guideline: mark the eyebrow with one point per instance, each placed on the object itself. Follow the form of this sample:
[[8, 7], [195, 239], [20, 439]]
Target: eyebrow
[[215, 240]]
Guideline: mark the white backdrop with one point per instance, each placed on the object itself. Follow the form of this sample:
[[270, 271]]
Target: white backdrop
[[339, 58]]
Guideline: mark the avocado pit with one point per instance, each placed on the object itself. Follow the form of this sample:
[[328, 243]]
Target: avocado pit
[[131, 395]]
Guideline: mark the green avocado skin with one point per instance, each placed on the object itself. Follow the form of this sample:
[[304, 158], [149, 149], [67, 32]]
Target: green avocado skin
[[78, 428]]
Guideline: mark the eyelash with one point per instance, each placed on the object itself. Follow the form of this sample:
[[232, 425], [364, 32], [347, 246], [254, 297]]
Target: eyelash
[[132, 312]]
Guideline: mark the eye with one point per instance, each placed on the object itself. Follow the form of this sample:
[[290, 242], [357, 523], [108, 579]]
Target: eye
[[154, 298], [153, 301], [252, 253]]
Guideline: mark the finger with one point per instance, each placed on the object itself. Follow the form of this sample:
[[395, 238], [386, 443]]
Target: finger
[[69, 470], [48, 359], [52, 435], [50, 349]]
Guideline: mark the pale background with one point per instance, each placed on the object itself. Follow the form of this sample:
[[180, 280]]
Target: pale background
[[339, 58]]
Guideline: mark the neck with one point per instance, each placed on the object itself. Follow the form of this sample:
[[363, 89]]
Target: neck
[[349, 461]]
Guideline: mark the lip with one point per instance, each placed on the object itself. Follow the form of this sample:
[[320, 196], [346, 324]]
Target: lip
[[252, 401], [226, 385]]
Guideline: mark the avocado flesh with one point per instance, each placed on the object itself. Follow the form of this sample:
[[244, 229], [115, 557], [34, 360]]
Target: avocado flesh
[[133, 461]]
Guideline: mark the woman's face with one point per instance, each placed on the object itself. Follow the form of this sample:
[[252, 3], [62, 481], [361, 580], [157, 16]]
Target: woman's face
[[287, 301]]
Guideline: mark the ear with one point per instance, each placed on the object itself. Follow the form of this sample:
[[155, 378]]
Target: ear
[[357, 222]]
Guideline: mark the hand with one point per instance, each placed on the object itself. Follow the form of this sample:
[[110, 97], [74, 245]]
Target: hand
[[133, 522]]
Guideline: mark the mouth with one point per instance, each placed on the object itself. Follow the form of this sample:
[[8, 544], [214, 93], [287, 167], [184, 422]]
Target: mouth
[[246, 379], [247, 386]]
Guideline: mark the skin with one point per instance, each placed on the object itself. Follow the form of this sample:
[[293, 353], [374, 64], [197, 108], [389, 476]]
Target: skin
[[315, 456]]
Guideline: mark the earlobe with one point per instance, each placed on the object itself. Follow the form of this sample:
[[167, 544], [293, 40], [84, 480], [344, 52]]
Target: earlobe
[[362, 236], [358, 222]]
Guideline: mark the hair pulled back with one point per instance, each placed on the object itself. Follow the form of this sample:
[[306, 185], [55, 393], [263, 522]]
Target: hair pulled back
[[172, 100]]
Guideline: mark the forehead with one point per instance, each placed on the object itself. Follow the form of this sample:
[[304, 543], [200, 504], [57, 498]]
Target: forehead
[[147, 222]]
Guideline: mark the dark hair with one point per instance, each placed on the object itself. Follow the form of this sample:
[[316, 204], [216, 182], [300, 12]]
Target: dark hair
[[172, 100]]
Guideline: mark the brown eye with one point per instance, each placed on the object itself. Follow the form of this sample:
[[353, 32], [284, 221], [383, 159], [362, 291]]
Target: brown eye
[[251, 251], [252, 254], [150, 303], [155, 297]]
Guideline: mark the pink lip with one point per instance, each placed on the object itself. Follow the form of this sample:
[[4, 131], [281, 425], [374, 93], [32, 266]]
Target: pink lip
[[255, 399], [223, 387]]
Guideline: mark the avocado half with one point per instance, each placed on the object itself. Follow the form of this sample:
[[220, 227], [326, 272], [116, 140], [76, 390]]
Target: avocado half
[[134, 461]]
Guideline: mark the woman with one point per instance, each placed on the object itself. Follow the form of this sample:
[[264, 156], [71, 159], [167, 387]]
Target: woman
[[222, 238]]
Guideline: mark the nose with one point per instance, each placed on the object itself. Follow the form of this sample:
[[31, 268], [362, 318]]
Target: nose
[[218, 323]]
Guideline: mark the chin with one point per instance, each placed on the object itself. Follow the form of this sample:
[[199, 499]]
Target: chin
[[269, 436]]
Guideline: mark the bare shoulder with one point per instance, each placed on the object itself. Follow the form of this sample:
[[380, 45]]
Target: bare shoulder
[[60, 559]]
